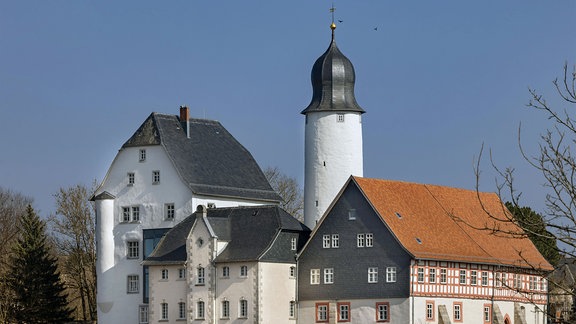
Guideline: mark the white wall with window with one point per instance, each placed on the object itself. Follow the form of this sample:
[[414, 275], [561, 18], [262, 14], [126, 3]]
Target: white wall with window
[[169, 289]]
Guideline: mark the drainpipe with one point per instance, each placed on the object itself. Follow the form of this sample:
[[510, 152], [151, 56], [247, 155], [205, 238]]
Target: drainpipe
[[411, 278]]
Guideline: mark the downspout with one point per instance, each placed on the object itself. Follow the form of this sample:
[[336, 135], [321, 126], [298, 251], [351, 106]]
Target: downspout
[[258, 308], [412, 293]]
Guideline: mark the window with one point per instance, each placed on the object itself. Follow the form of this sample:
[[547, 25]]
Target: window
[[243, 309], [420, 272], [517, 281], [382, 312], [360, 240], [473, 277], [225, 309], [135, 213], [210, 205], [292, 272], [329, 275], [335, 241], [314, 276], [169, 211], [326, 241], [200, 310], [340, 118], [443, 276], [125, 214], [293, 244], [462, 277], [432, 276], [200, 276], [142, 155], [372, 275], [321, 312], [292, 309], [391, 274], [351, 214], [182, 273], [143, 314], [164, 274], [457, 312], [487, 313], [369, 240], [504, 279], [132, 284], [498, 279], [429, 310], [155, 177], [244, 271], [225, 272], [181, 310], [133, 249], [343, 312], [130, 178], [164, 311], [484, 278]]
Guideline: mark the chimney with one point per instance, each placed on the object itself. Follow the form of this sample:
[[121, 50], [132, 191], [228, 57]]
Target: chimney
[[185, 119]]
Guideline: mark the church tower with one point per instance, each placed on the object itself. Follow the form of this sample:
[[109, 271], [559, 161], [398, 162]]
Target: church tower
[[333, 132]]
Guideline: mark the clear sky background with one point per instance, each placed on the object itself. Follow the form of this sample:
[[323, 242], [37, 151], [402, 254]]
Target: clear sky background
[[437, 80]]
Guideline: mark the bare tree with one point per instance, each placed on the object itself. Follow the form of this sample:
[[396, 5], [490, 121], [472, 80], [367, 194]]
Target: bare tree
[[289, 190], [74, 225], [12, 206], [556, 162]]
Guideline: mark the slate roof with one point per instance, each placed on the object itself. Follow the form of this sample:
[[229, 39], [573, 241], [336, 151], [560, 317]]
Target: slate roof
[[210, 162], [442, 223], [249, 231], [333, 79]]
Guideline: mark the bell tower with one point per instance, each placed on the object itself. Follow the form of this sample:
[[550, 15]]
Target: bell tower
[[333, 132]]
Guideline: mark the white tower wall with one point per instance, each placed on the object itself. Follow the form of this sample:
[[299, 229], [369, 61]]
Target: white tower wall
[[333, 152]]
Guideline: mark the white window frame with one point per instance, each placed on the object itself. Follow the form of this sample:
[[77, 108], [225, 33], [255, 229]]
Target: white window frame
[[225, 305], [473, 277], [335, 241], [292, 310], [369, 239], [443, 276], [340, 118], [225, 272], [135, 214], [383, 312], [457, 312], [133, 250], [181, 310], [432, 275], [182, 273], [420, 275], [314, 276], [391, 275], [200, 310], [243, 308], [143, 314], [352, 214], [293, 243], [164, 311], [326, 241], [244, 271], [328, 276], [462, 277], [360, 241], [322, 312], [484, 278], [132, 284], [156, 177], [200, 276], [164, 274], [126, 214], [142, 155], [292, 272], [131, 178], [343, 312], [372, 275], [169, 211]]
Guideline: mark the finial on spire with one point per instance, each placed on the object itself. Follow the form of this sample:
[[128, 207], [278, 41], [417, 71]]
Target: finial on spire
[[332, 25]]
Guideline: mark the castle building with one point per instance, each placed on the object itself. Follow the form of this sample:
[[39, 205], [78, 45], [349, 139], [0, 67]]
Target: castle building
[[160, 175], [189, 230]]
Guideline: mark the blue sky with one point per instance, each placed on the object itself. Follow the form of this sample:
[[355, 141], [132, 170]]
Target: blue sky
[[437, 79]]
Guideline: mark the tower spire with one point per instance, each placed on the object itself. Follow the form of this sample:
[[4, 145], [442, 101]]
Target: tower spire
[[332, 25]]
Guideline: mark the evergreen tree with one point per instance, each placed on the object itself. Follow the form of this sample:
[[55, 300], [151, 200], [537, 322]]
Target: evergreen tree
[[33, 278], [535, 227]]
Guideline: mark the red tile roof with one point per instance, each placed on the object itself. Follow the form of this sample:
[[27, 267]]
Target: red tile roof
[[443, 223]]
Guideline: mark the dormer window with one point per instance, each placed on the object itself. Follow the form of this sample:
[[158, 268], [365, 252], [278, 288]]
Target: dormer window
[[142, 155], [340, 118]]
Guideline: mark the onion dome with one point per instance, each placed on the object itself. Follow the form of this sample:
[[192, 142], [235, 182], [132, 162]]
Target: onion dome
[[333, 81]]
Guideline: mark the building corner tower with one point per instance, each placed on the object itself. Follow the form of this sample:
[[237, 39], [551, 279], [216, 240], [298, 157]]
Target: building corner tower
[[333, 132]]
